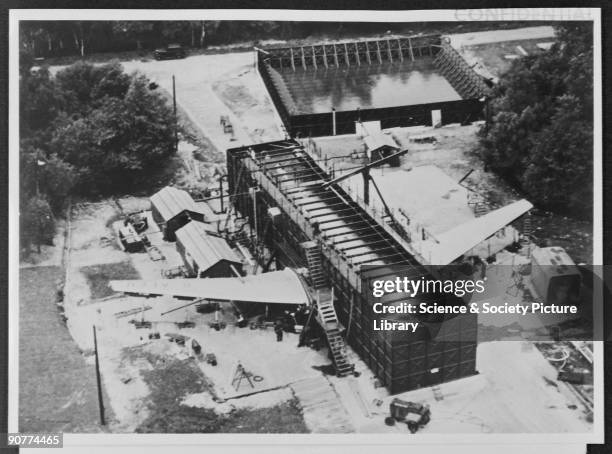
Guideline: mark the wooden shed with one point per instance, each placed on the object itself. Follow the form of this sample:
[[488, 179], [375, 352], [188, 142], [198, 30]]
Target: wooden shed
[[173, 208], [205, 254], [380, 145]]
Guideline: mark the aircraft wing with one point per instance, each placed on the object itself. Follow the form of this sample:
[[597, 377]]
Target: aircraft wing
[[276, 287], [454, 243]]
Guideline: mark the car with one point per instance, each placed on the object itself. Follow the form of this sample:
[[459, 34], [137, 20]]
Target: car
[[171, 51]]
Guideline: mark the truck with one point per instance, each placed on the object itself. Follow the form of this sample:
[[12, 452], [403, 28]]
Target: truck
[[171, 51]]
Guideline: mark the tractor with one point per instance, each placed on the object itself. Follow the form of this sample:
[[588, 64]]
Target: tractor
[[413, 414]]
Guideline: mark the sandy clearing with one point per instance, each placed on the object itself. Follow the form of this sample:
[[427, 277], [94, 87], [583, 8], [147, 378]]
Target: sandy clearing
[[260, 400], [495, 36], [510, 395], [195, 78]]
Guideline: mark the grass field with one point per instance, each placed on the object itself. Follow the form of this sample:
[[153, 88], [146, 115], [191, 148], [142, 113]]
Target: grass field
[[57, 388], [173, 379], [98, 276]]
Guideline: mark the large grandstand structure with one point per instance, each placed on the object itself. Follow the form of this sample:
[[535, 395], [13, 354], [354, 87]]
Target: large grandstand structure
[[323, 89]]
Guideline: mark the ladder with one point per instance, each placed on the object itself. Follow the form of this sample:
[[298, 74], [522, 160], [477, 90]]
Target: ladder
[[480, 209], [477, 203], [526, 236], [242, 238], [527, 227], [315, 268], [331, 326]]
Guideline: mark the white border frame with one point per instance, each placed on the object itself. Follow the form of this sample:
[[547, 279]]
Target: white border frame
[[314, 440]]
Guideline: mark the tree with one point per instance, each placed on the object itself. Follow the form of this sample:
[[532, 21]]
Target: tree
[[48, 175], [40, 102], [560, 167], [136, 31], [541, 133], [120, 133], [94, 128], [37, 223], [84, 85]]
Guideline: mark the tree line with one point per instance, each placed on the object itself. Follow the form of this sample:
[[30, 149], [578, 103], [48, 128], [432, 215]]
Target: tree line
[[81, 38], [540, 136], [91, 130]]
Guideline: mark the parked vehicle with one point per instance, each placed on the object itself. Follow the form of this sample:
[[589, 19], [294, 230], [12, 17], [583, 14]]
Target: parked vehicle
[[413, 414], [171, 51]]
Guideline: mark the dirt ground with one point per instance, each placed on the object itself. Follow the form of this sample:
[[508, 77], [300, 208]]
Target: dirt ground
[[134, 366], [211, 86], [494, 59]]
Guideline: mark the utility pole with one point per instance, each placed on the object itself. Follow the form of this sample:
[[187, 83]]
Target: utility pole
[[40, 162], [333, 121], [98, 379], [221, 178], [175, 116]]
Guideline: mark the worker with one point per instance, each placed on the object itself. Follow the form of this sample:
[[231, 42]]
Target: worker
[[303, 340], [278, 329]]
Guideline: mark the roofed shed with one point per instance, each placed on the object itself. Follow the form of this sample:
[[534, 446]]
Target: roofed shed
[[206, 255], [173, 208], [555, 276], [380, 145]]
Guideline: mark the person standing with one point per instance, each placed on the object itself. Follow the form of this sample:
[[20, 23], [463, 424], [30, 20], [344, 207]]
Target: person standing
[[278, 329]]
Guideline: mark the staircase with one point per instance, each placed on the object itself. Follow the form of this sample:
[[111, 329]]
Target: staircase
[[315, 269], [329, 322]]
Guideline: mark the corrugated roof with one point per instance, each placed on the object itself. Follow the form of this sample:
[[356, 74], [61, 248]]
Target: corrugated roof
[[206, 250], [171, 201], [379, 140]]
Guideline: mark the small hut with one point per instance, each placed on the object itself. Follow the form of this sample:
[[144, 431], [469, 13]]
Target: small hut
[[173, 208], [205, 254], [380, 145]]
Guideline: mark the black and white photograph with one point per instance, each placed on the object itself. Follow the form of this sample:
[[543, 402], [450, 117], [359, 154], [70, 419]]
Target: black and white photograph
[[380, 225]]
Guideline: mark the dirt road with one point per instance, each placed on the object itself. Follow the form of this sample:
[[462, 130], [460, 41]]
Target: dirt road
[[209, 86]]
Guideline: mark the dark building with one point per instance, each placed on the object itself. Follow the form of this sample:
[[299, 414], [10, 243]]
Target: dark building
[[204, 254], [323, 229], [324, 89], [173, 208]]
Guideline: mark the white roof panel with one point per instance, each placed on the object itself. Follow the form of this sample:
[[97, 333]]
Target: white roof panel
[[276, 287]]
